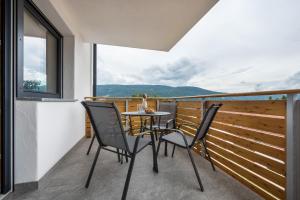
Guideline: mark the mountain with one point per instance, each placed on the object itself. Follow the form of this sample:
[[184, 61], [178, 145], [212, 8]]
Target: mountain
[[151, 90]]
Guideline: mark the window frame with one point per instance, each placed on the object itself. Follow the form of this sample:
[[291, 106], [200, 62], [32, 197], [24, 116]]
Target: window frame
[[95, 49], [7, 103], [42, 19]]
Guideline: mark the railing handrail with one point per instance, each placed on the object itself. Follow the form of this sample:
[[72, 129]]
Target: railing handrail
[[260, 93]]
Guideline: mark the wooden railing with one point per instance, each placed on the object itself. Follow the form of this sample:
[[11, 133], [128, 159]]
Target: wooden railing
[[247, 139]]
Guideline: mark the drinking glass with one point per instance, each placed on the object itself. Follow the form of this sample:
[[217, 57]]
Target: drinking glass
[[140, 108]]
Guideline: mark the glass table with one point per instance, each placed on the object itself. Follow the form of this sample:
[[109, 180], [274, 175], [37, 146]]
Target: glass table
[[151, 115]]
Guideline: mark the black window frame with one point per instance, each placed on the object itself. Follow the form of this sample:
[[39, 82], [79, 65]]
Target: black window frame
[[95, 46], [7, 100], [41, 18]]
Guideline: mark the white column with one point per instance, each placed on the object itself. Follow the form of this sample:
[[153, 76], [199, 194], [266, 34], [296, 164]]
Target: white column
[[292, 148]]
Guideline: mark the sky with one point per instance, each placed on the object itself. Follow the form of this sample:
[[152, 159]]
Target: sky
[[239, 46], [35, 59]]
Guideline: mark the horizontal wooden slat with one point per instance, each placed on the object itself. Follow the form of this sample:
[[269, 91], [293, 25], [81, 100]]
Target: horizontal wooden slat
[[189, 104], [269, 163], [264, 149], [182, 121], [277, 107], [273, 139], [133, 105], [190, 129], [256, 168], [188, 133], [245, 181], [189, 112], [197, 148], [120, 103], [88, 131], [278, 192], [273, 125], [189, 118]]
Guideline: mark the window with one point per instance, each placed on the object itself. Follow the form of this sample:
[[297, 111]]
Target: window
[[39, 54]]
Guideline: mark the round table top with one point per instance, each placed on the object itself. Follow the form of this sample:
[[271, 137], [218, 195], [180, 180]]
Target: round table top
[[136, 113]]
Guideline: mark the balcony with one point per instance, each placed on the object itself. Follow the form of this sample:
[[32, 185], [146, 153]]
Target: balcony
[[247, 140], [50, 64]]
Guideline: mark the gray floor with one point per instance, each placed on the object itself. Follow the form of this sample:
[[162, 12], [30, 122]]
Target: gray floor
[[175, 180]]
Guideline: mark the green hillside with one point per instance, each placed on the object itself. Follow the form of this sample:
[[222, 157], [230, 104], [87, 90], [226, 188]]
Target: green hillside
[[151, 90]]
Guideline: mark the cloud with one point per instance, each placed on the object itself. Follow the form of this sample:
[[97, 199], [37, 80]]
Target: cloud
[[34, 75], [292, 82], [35, 53], [242, 70], [178, 73]]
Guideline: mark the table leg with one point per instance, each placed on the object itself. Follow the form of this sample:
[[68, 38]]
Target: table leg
[[155, 167], [141, 120], [130, 126]]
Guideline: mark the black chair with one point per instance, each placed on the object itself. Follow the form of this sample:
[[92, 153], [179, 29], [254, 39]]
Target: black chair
[[178, 138], [120, 158], [165, 122], [109, 132]]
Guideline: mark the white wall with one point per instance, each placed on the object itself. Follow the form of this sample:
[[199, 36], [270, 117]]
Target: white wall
[[60, 126], [25, 142], [46, 131], [82, 71], [68, 67]]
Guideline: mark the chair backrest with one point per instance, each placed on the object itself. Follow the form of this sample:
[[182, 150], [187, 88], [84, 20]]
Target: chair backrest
[[206, 122], [167, 107], [106, 122]]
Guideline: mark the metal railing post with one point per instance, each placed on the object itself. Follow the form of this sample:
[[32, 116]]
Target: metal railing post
[[126, 110], [292, 148], [203, 107]]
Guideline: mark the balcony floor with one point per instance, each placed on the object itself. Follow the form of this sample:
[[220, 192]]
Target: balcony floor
[[175, 180]]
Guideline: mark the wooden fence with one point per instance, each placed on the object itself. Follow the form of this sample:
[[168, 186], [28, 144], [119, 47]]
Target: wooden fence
[[247, 139]]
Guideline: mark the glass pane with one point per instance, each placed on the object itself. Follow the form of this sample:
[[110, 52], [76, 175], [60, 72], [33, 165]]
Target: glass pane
[[40, 57]]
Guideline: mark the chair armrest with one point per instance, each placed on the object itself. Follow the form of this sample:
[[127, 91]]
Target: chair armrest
[[182, 134], [169, 121], [136, 143]]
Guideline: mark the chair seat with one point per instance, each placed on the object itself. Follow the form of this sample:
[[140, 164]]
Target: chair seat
[[142, 143], [177, 139]]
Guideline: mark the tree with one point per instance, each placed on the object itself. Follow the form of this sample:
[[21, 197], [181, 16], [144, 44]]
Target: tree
[[141, 95], [283, 97], [32, 85]]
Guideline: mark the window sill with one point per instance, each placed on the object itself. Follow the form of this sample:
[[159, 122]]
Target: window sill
[[45, 99]]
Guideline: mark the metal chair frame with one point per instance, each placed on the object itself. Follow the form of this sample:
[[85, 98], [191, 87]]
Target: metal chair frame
[[128, 153], [201, 139]]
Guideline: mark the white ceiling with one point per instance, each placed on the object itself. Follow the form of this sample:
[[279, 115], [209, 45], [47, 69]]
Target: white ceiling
[[148, 24]]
